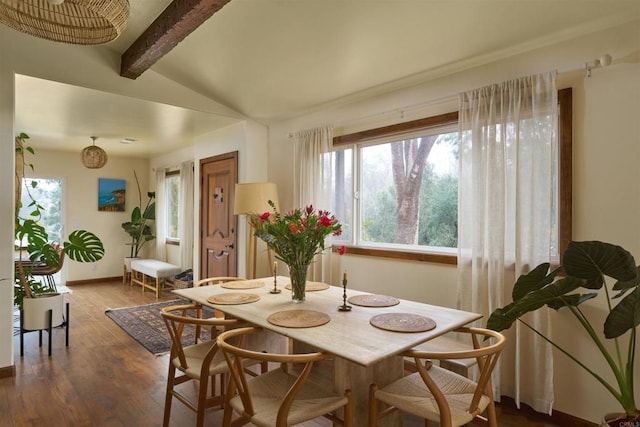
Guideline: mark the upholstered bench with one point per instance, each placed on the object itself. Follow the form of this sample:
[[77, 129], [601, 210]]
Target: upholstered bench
[[151, 273]]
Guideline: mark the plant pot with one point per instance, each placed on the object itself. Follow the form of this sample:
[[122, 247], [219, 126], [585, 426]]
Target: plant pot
[[618, 420], [127, 263], [35, 310]]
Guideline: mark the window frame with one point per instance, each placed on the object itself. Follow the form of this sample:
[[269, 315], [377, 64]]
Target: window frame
[[565, 177], [170, 240]]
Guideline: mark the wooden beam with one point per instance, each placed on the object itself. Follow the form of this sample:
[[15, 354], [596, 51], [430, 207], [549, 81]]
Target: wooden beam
[[175, 23]]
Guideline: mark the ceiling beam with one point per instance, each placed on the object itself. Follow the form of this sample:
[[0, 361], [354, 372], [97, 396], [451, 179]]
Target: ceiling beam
[[175, 23]]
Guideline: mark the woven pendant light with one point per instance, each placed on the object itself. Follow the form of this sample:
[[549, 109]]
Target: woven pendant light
[[94, 157], [84, 22]]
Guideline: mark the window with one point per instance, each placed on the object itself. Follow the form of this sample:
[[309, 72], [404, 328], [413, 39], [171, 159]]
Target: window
[[414, 165], [172, 214]]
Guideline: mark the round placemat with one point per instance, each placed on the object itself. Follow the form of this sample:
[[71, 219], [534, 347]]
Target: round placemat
[[233, 298], [373, 300], [402, 322], [311, 286], [243, 284], [299, 318]]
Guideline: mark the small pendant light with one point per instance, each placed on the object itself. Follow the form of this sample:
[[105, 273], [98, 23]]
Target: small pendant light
[[94, 157]]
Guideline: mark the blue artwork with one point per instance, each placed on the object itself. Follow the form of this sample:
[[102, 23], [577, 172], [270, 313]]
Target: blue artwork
[[111, 194]]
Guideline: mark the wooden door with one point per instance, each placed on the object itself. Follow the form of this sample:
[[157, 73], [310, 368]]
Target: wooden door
[[218, 254]]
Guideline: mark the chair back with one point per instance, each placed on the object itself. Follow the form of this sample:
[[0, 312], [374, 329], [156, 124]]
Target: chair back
[[209, 281], [177, 317], [486, 356], [231, 343]]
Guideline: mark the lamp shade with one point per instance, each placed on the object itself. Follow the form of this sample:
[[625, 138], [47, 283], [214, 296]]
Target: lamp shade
[[253, 197], [83, 22], [94, 157]]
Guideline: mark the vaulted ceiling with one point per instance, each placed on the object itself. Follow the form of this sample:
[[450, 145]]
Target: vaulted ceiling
[[275, 59]]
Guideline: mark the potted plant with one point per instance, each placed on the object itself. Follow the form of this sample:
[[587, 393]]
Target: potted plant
[[586, 266], [139, 227], [81, 246]]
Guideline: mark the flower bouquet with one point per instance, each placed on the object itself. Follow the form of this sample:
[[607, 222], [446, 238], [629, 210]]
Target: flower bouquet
[[295, 238]]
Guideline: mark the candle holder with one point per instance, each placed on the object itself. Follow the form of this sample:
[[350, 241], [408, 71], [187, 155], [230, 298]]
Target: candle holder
[[275, 289], [344, 306]]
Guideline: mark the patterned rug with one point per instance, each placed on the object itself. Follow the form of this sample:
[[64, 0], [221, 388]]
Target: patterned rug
[[144, 324]]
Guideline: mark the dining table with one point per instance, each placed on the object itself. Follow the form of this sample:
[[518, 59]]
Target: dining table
[[365, 332]]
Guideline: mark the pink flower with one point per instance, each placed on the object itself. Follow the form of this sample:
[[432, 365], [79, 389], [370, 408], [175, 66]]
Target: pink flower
[[338, 232], [264, 216], [343, 250]]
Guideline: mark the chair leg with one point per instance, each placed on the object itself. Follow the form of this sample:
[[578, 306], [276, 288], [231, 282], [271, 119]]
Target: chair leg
[[348, 410], [202, 399], [373, 406], [169, 395]]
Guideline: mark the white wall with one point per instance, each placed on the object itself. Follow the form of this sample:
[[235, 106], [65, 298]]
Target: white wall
[[606, 178], [80, 205]]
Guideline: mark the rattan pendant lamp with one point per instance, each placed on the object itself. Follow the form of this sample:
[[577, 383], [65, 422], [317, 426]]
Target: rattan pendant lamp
[[83, 22], [94, 157]]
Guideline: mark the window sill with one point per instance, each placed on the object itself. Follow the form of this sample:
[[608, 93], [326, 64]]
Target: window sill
[[404, 255]]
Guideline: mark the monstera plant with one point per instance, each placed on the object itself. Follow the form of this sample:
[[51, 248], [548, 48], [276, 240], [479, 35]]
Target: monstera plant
[[583, 276], [33, 240]]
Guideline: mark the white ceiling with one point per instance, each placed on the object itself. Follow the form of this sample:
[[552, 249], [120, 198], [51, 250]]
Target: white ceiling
[[276, 59]]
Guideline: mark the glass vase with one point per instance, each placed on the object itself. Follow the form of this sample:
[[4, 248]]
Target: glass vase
[[298, 276]]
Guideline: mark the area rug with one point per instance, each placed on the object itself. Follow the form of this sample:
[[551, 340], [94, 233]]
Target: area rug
[[144, 324]]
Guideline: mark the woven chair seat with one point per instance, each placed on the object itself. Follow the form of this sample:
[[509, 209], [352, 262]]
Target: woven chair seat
[[195, 355], [410, 394], [268, 390]]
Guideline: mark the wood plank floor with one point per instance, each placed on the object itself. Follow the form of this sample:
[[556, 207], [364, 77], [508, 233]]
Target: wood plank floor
[[105, 378]]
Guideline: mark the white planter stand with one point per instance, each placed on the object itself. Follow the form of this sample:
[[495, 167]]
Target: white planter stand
[[44, 312]]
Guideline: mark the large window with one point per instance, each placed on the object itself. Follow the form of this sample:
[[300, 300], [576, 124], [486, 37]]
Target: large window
[[172, 214], [396, 188]]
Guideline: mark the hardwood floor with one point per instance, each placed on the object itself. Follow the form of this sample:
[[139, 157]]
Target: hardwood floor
[[105, 378]]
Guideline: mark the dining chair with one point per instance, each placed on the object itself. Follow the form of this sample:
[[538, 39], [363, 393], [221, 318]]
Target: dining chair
[[201, 362], [280, 397], [47, 272], [440, 395]]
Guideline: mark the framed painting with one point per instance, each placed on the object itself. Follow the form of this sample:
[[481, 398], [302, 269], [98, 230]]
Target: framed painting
[[111, 194]]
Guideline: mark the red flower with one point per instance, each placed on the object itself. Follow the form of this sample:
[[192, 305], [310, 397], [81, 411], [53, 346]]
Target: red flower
[[325, 221], [309, 209], [343, 250], [338, 232], [293, 228], [264, 216]]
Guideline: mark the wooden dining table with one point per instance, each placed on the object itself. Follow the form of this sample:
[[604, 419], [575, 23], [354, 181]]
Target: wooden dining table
[[364, 353]]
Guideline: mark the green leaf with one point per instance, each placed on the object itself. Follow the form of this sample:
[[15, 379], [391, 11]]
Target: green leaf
[[627, 284], [552, 295], [624, 316], [592, 260], [535, 279], [84, 246]]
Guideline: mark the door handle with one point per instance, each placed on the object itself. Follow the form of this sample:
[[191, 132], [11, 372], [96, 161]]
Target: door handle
[[230, 246]]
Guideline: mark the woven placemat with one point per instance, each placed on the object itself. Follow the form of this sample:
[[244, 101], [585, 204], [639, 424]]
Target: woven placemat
[[403, 322], [243, 284], [373, 300], [311, 286], [233, 298], [299, 318]]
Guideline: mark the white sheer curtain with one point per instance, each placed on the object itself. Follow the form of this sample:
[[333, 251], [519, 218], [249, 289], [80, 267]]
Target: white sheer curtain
[[186, 215], [161, 202], [508, 154], [313, 171]]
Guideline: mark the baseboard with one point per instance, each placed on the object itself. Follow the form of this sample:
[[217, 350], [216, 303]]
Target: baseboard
[[556, 417], [8, 371], [93, 281]]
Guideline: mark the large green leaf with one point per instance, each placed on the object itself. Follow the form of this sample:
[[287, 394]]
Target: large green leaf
[[592, 260], [84, 246], [624, 316], [554, 295], [535, 279]]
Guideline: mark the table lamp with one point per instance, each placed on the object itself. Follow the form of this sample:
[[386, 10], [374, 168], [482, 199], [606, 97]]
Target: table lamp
[[253, 198]]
